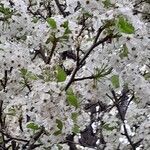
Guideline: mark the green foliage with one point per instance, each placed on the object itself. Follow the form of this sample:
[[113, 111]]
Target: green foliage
[[52, 23], [124, 26], [71, 98], [115, 81], [27, 75], [102, 72], [74, 117], [52, 38], [35, 20], [66, 26], [11, 111], [107, 3], [87, 14], [108, 127], [59, 126], [76, 128], [7, 13], [147, 76], [67, 31], [33, 126], [60, 74], [124, 52]]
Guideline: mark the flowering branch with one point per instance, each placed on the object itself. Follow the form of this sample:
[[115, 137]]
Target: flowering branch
[[122, 116], [95, 44]]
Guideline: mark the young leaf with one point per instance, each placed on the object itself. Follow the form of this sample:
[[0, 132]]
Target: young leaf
[[106, 3], [108, 127], [52, 23], [23, 71], [67, 30], [76, 129], [11, 111], [115, 81], [59, 126], [124, 52], [32, 126], [35, 20], [124, 26], [72, 99], [57, 132], [147, 76], [65, 24], [74, 117], [60, 74]]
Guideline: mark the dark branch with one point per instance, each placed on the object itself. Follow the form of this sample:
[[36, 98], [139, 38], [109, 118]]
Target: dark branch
[[52, 51], [61, 9], [81, 62]]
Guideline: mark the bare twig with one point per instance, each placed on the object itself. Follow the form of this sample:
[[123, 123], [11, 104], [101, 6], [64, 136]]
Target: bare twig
[[40, 52], [61, 9], [116, 102], [31, 144], [12, 138], [37, 13], [52, 51]]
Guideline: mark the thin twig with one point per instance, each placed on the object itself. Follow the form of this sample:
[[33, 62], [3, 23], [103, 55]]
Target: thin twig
[[122, 119], [36, 136], [61, 9], [52, 51], [2, 123], [87, 54]]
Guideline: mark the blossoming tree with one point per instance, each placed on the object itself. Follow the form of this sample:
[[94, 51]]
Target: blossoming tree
[[74, 74]]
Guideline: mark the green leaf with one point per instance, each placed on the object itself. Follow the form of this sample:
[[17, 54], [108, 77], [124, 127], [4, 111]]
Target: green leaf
[[52, 23], [51, 38], [23, 71], [107, 3], [59, 126], [60, 74], [67, 30], [27, 74], [11, 111], [74, 117], [32, 126], [147, 76], [32, 76], [108, 127], [87, 14], [65, 24], [124, 26], [35, 20], [72, 99], [76, 129], [57, 132], [124, 52], [115, 81]]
